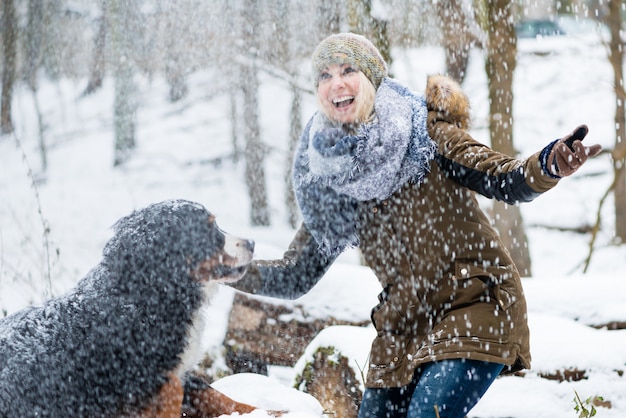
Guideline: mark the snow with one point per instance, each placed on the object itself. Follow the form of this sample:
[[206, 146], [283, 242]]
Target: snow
[[559, 84], [269, 394], [348, 341]]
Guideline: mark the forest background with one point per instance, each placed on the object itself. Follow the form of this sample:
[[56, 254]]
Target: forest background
[[123, 49], [126, 39]]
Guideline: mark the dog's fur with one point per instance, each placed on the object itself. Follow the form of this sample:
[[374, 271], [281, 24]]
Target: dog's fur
[[121, 341]]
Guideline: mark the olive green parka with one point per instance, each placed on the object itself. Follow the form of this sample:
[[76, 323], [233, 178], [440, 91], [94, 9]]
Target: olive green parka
[[450, 288]]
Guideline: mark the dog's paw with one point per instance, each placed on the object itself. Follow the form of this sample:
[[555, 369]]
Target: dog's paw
[[445, 96]]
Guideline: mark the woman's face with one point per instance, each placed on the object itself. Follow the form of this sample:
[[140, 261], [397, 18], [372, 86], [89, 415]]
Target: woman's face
[[337, 92]]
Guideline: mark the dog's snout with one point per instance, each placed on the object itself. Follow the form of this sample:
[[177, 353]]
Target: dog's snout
[[239, 248]]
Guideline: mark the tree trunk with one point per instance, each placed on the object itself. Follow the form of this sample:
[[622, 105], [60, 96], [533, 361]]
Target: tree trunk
[[234, 121], [123, 15], [34, 35], [295, 130], [500, 66], [358, 16], [457, 37], [254, 150], [231, 19], [96, 73], [9, 38], [616, 57], [328, 18], [361, 21], [380, 38], [175, 65], [285, 53]]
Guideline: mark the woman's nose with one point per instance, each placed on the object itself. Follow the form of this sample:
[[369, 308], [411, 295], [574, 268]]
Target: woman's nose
[[337, 83]]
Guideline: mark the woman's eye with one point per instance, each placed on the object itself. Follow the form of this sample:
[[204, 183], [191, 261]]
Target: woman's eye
[[324, 76], [349, 70]]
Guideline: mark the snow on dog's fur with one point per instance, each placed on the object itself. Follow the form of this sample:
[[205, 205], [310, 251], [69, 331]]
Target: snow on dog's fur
[[120, 343]]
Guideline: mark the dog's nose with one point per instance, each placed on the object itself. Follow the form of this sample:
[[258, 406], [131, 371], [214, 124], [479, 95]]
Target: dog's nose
[[249, 245]]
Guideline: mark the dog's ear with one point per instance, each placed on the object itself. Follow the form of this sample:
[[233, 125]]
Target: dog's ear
[[445, 97]]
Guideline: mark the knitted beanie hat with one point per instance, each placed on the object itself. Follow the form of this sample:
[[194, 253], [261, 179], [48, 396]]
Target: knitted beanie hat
[[350, 48]]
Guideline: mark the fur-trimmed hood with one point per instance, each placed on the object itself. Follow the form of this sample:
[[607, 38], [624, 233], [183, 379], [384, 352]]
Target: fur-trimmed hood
[[445, 96]]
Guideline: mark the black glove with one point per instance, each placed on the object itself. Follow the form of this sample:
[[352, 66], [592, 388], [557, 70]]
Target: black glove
[[569, 153]]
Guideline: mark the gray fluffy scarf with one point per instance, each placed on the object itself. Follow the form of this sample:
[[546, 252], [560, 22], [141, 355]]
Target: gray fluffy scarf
[[334, 170]]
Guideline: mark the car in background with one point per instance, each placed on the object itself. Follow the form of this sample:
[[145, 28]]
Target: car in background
[[560, 33], [537, 28]]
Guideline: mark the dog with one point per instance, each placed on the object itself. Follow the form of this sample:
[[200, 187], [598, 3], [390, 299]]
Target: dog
[[122, 342]]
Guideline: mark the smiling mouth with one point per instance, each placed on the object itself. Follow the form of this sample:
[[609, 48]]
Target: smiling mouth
[[343, 101]]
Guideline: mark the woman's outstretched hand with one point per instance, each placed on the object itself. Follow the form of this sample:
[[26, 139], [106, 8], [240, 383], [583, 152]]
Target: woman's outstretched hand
[[569, 153]]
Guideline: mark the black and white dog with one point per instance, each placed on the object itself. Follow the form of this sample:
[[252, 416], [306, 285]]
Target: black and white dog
[[121, 342]]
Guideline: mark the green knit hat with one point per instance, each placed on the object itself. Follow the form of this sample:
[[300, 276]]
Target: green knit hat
[[350, 48]]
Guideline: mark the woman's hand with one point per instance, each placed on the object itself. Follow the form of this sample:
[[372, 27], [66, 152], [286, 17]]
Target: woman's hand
[[569, 153]]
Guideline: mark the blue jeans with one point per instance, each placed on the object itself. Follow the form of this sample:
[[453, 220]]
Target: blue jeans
[[451, 386]]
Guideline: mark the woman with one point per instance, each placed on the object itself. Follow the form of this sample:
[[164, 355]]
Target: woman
[[396, 174]]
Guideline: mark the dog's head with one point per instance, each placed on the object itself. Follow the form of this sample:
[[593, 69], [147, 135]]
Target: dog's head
[[230, 262], [177, 237]]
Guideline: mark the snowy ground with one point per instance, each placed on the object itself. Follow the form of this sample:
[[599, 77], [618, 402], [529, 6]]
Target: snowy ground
[[559, 84]]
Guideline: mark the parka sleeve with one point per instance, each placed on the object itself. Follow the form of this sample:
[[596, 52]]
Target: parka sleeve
[[301, 267], [488, 172]]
